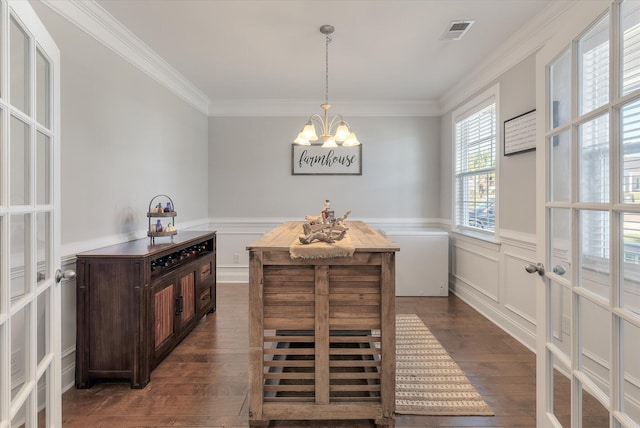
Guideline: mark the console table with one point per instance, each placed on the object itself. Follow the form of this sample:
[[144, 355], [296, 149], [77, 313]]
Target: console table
[[322, 331], [136, 301]]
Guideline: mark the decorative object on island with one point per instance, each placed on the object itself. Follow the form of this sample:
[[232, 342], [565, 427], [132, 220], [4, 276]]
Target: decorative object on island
[[314, 351], [325, 227], [342, 129], [158, 210], [136, 302]]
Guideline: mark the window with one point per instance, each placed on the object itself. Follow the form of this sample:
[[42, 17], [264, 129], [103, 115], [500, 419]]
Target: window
[[475, 164]]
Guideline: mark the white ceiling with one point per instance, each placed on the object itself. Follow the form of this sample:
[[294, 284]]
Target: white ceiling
[[388, 50]]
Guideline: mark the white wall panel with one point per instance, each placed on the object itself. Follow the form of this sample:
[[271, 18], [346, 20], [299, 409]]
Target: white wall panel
[[520, 287], [478, 270], [68, 322]]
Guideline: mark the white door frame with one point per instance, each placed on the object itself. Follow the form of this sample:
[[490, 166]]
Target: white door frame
[[30, 399], [579, 19]]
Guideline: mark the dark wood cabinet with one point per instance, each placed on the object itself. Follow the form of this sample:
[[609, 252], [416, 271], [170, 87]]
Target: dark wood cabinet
[[136, 301]]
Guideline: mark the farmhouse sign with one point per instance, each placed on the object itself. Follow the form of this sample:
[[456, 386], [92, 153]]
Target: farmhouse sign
[[316, 160]]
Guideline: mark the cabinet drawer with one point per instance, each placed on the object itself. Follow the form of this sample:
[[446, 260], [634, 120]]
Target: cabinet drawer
[[206, 270], [205, 298]]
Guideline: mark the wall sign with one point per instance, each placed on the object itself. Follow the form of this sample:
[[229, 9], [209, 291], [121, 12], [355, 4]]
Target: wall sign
[[520, 133], [316, 160]]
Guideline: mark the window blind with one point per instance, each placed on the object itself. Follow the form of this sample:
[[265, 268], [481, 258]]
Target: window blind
[[475, 169]]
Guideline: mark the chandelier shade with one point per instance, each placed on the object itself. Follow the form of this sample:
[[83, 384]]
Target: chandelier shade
[[332, 129]]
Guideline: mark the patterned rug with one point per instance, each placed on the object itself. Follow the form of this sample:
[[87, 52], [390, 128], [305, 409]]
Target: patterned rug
[[428, 381]]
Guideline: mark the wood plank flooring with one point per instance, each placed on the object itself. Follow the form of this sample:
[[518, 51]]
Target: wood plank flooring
[[203, 382]]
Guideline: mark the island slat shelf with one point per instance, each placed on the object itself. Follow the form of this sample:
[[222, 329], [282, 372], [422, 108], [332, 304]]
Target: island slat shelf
[[322, 331]]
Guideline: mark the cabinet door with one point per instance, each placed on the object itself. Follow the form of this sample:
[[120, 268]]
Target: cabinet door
[[164, 312], [187, 297]]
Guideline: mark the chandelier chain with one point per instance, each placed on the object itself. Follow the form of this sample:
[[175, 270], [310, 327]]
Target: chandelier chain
[[326, 70]]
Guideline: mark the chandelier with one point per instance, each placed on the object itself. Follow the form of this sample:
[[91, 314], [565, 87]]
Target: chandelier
[[326, 124]]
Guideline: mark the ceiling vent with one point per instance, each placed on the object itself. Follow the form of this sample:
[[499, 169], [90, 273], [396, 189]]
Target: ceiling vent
[[457, 29]]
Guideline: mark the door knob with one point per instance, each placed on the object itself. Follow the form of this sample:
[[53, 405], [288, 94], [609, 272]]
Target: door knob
[[531, 268], [559, 269], [67, 274]]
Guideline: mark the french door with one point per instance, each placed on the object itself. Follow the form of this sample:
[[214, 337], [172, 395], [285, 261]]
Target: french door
[[588, 337], [30, 374]]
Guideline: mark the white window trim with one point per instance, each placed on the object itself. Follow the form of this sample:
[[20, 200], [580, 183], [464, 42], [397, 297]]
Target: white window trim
[[479, 101]]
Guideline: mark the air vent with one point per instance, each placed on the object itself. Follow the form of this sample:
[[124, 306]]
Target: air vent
[[457, 29]]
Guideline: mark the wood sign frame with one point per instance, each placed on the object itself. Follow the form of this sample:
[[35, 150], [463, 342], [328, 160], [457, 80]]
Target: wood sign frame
[[520, 133], [317, 160]]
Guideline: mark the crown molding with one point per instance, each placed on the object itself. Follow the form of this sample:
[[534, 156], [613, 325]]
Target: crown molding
[[98, 23], [528, 40], [274, 107]]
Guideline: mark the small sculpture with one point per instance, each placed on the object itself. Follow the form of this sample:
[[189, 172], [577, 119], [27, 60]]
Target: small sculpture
[[327, 213]]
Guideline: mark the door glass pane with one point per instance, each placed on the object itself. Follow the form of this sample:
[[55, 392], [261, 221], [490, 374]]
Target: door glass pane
[[19, 419], [594, 414], [560, 241], [630, 46], [19, 332], [43, 169], [562, 398], [560, 92], [593, 160], [43, 316], [560, 317], [593, 52], [19, 62], [19, 147], [43, 90], [560, 167], [594, 252], [43, 234], [630, 121], [3, 176], [631, 370], [18, 243], [630, 292], [43, 391], [595, 331]]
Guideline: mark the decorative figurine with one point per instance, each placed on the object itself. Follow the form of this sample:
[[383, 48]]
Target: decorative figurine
[[159, 208], [327, 213], [325, 227]]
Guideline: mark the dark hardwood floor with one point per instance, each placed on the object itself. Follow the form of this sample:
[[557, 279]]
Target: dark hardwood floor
[[203, 382]]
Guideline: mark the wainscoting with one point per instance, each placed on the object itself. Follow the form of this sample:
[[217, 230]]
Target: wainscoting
[[490, 276]]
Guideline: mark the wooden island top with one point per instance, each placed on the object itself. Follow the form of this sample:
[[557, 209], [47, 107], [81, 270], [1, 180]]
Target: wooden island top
[[363, 237], [322, 330]]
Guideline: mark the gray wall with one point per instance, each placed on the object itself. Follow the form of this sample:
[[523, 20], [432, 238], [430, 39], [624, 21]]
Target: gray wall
[[125, 138], [250, 170], [518, 171], [517, 179]]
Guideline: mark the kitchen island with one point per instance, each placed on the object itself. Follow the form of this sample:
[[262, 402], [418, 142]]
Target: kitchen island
[[322, 330]]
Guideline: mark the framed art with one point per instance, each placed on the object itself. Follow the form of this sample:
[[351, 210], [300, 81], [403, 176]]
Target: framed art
[[520, 133], [317, 160]]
